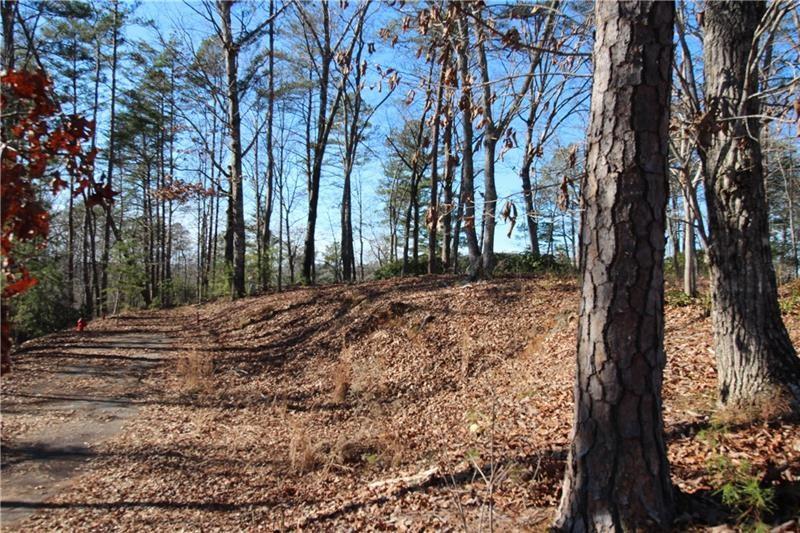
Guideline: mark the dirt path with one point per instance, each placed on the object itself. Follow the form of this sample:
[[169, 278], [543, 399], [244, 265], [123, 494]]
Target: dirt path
[[52, 425]]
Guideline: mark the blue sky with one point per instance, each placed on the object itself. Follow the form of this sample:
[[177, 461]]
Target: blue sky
[[169, 14]]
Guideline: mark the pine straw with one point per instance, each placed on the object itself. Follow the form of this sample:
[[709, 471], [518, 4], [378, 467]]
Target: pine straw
[[427, 362]]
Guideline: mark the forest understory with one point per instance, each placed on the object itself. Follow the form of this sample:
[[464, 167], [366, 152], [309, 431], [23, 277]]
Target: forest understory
[[409, 404]]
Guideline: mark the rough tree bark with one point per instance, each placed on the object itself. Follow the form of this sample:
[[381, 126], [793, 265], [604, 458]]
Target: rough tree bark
[[755, 357], [617, 475]]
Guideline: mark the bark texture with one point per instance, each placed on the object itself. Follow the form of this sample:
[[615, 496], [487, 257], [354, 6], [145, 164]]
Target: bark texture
[[755, 357], [617, 475]]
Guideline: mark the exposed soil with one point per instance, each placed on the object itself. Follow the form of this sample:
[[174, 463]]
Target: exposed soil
[[441, 389]]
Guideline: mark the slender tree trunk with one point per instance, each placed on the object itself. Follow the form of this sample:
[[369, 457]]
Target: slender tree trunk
[[259, 218], [352, 114], [673, 231], [318, 151], [617, 476], [525, 176], [490, 137], [280, 231], [109, 212], [790, 209], [267, 239], [457, 236], [756, 361], [433, 209], [88, 297], [360, 231], [467, 200], [530, 212], [447, 193], [147, 202], [689, 258]]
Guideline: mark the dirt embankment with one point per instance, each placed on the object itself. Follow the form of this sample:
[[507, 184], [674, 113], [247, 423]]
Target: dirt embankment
[[391, 404]]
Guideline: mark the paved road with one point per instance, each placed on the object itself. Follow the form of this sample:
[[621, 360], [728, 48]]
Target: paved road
[[89, 394]]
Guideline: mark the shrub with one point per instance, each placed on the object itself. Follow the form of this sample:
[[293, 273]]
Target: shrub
[[527, 263], [740, 489], [394, 269], [44, 307]]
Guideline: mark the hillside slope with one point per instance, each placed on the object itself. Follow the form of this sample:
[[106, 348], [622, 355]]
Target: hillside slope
[[371, 405]]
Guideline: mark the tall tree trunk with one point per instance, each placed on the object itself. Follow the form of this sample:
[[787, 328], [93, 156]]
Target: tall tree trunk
[[259, 218], [617, 476], [490, 138], [755, 358], [467, 200], [267, 238], [325, 116], [318, 151], [110, 169], [352, 121], [280, 231], [433, 209], [236, 219]]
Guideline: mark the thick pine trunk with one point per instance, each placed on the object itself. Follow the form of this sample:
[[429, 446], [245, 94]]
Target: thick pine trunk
[[617, 476], [755, 358]]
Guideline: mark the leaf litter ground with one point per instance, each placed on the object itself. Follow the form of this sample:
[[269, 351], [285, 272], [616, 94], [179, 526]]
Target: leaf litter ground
[[390, 405]]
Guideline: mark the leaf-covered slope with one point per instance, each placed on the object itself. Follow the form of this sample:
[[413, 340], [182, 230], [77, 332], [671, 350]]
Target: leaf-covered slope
[[371, 405]]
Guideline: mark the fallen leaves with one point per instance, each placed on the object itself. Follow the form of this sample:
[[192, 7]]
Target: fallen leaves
[[488, 378]]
